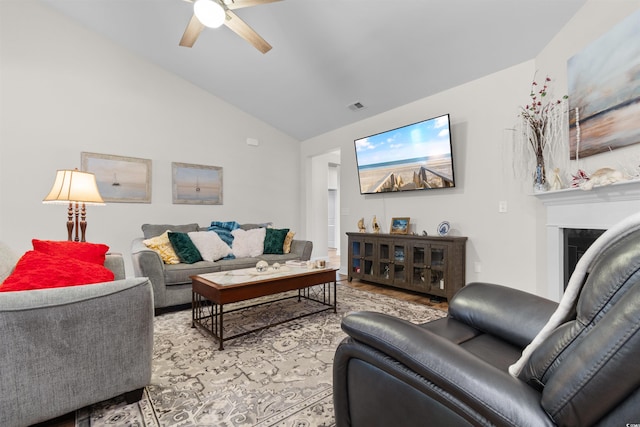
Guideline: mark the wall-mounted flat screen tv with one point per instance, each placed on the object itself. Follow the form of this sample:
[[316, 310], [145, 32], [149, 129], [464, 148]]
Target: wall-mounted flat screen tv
[[412, 157]]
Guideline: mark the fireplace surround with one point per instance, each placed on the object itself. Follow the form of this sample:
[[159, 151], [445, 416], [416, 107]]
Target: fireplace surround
[[573, 208]]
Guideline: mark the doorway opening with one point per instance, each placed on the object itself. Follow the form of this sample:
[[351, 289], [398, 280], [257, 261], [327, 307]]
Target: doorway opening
[[323, 207]]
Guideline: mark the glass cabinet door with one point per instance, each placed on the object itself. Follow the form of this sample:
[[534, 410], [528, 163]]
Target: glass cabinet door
[[391, 262], [385, 261], [368, 259], [437, 262], [419, 267], [361, 258], [356, 258], [362, 253], [399, 263], [428, 268]]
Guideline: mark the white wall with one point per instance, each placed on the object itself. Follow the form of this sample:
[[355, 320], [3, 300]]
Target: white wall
[[65, 90], [506, 248], [478, 132]]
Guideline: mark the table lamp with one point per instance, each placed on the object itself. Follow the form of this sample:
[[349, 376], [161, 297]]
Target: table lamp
[[75, 187]]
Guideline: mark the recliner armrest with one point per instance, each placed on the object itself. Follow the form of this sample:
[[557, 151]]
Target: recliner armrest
[[513, 315], [473, 383]]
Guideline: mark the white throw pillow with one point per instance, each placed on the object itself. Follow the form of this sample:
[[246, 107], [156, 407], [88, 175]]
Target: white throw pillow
[[248, 243], [209, 244]]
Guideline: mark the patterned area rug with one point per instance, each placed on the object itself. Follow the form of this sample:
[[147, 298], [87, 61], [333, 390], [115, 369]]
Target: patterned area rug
[[281, 376]]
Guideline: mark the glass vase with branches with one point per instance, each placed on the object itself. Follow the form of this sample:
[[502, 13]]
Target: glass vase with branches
[[541, 135]]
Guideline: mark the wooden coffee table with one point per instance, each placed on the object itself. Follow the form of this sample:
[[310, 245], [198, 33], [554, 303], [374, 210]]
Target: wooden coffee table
[[210, 292]]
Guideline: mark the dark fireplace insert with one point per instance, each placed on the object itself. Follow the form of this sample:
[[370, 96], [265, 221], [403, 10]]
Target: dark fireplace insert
[[576, 243]]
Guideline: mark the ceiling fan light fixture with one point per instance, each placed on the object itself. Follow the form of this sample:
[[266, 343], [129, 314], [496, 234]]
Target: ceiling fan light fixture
[[210, 13]]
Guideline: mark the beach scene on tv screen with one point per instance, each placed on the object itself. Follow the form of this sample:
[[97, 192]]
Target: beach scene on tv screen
[[413, 157]]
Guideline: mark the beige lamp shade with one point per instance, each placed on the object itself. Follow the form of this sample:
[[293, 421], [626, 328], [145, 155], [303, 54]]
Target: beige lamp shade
[[74, 186]]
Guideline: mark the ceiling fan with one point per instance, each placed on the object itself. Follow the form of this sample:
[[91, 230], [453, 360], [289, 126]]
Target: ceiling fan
[[214, 13]]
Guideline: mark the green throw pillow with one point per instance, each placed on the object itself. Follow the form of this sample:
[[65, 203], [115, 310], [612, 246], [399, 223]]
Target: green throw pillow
[[184, 247], [274, 240]]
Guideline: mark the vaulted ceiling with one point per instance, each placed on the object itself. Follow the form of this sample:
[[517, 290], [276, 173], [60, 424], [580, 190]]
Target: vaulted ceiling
[[328, 55]]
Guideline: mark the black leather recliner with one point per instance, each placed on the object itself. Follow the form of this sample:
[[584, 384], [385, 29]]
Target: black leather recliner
[[454, 371]]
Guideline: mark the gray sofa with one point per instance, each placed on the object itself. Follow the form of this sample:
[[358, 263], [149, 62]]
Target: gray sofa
[[65, 348], [172, 283]]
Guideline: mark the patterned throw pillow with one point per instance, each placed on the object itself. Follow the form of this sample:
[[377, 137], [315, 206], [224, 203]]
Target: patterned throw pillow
[[274, 240], [210, 245], [162, 245], [248, 243], [184, 248], [286, 246]]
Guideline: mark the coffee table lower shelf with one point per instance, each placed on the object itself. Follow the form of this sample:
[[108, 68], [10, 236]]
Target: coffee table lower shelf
[[209, 316]]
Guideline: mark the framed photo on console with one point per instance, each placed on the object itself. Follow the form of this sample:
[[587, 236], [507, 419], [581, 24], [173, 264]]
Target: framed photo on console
[[399, 225], [120, 179], [196, 184]]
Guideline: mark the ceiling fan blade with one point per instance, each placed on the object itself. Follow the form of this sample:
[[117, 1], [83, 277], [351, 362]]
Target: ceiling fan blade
[[239, 27], [238, 4], [192, 32]]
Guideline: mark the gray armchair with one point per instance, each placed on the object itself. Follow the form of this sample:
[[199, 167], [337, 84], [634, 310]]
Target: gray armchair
[[66, 348], [584, 371]]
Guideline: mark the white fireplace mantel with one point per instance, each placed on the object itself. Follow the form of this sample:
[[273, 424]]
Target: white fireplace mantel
[[599, 208]]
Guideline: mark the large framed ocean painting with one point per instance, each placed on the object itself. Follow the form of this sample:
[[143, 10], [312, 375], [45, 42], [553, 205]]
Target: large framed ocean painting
[[604, 91], [119, 178]]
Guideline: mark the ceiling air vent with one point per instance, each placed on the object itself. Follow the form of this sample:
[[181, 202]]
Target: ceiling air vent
[[356, 106]]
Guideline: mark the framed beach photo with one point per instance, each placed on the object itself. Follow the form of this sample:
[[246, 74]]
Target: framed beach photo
[[120, 179], [196, 184], [399, 225]]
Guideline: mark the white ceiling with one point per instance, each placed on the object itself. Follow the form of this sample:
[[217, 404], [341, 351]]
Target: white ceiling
[[329, 54]]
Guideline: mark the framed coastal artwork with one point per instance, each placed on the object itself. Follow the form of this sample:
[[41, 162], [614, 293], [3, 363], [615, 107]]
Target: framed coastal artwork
[[196, 184], [604, 91], [120, 179]]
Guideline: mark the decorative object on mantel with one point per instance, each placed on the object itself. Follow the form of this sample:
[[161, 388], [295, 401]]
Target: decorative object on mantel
[[556, 182], [361, 226], [579, 178], [604, 176], [374, 225], [540, 139]]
